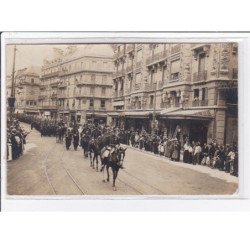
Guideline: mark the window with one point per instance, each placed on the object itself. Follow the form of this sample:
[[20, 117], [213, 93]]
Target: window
[[92, 90], [93, 78], [103, 91], [84, 101], [34, 103], [175, 69], [196, 94], [102, 103], [105, 65], [204, 94], [138, 78], [201, 62], [94, 64], [91, 103], [104, 79], [151, 100], [32, 80]]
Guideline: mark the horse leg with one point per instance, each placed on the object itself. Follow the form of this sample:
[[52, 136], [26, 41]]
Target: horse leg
[[96, 162], [107, 167], [114, 177], [115, 174], [90, 157]]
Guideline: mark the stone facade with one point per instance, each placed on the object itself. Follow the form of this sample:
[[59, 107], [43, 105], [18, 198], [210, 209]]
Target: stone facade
[[193, 86], [27, 82], [77, 84]]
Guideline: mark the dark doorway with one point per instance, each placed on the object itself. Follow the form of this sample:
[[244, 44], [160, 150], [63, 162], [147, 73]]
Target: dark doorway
[[198, 132]]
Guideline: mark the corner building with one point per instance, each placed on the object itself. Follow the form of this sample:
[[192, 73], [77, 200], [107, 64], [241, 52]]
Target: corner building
[[191, 86], [77, 84]]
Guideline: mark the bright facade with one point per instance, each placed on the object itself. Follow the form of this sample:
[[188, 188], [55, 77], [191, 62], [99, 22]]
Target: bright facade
[[194, 85]]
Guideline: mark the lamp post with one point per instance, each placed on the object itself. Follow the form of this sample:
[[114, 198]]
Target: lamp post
[[12, 99]]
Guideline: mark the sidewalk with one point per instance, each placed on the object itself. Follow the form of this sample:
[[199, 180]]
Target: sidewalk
[[202, 169]]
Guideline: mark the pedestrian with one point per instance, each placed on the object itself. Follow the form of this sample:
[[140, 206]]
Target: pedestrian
[[185, 152], [76, 139], [68, 139]]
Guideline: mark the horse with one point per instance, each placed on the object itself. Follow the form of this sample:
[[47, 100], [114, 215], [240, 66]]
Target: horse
[[115, 161]]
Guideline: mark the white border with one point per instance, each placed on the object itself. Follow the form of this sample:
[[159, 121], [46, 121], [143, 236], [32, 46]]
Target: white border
[[136, 203]]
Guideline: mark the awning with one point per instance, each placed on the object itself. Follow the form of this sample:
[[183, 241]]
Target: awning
[[191, 114], [113, 114], [139, 114], [96, 114], [168, 110]]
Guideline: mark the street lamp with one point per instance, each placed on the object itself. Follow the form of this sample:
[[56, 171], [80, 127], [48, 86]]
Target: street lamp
[[12, 99]]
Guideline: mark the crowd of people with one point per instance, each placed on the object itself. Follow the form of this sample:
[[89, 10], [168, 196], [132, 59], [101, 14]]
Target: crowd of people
[[212, 154], [176, 148], [16, 138]]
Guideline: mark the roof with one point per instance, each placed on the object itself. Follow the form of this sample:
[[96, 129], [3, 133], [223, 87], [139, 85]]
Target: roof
[[95, 50], [31, 71]]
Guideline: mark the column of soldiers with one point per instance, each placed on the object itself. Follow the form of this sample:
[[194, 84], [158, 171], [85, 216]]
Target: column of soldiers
[[214, 155]]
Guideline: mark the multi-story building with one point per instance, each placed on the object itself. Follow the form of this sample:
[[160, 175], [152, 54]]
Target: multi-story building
[[191, 86], [49, 82], [27, 82], [77, 85]]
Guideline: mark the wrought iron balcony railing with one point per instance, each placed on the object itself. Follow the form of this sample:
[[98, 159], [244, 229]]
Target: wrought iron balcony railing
[[199, 103]]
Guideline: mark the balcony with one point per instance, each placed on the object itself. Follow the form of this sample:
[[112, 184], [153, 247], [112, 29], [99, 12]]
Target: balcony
[[174, 77], [61, 95], [235, 73], [102, 109], [165, 105], [130, 48], [156, 58], [199, 103], [54, 95], [54, 84], [200, 76], [62, 85], [175, 48], [41, 97]]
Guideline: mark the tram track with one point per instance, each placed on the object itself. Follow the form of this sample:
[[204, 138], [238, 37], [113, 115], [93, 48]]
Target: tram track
[[46, 168]]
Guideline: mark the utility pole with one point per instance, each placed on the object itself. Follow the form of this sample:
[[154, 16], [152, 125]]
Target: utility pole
[[154, 113], [11, 99]]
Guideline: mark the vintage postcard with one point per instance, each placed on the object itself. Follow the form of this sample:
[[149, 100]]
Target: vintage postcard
[[121, 118]]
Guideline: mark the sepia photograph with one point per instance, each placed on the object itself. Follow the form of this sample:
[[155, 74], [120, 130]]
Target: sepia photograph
[[155, 119]]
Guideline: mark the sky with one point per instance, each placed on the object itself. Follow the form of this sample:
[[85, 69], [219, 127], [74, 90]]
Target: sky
[[33, 55], [29, 55]]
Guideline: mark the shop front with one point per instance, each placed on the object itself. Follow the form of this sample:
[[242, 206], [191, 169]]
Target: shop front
[[195, 125]]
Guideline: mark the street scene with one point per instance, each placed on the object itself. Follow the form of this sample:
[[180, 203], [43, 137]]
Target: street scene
[[122, 119], [47, 168]]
